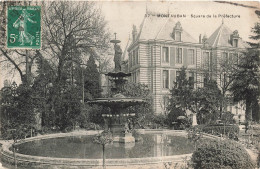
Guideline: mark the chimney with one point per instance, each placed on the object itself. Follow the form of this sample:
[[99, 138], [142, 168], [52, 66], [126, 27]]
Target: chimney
[[200, 38], [134, 33]]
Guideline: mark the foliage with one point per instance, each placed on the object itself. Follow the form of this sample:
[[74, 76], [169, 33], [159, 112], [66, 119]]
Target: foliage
[[181, 100], [246, 84], [232, 131], [181, 93], [92, 79], [209, 103], [18, 110], [95, 114], [194, 135], [224, 154], [159, 121], [256, 32], [172, 118], [103, 138], [205, 102], [227, 118], [143, 112]]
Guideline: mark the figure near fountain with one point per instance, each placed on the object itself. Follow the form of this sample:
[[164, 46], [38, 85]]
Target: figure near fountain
[[117, 57], [117, 120]]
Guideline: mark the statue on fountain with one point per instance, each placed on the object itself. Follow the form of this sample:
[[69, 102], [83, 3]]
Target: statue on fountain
[[117, 57]]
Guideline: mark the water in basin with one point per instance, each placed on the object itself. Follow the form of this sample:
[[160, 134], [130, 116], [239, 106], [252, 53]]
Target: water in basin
[[151, 145]]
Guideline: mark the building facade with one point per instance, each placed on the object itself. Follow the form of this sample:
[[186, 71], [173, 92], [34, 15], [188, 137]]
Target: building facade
[[162, 47]]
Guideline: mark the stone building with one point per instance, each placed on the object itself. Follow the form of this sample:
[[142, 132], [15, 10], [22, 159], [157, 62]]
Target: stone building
[[162, 46]]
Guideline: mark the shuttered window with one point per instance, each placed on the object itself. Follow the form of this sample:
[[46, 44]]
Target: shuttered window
[[165, 54], [191, 56], [179, 56], [165, 79]]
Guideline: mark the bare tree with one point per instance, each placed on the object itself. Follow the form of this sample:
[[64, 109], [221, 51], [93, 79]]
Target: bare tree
[[221, 70], [72, 31]]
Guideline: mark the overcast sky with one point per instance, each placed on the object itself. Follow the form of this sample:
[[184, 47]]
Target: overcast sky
[[121, 16]]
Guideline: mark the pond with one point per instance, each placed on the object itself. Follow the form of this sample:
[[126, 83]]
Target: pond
[[82, 147]]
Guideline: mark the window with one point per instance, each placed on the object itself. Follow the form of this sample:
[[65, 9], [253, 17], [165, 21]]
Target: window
[[235, 43], [191, 56], [177, 74], [235, 58], [225, 57], [138, 76], [130, 59], [178, 36], [191, 79], [133, 58], [165, 79], [137, 57], [179, 56], [206, 56], [205, 81], [165, 57]]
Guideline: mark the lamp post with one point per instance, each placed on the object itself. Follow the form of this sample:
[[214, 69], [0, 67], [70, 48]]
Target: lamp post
[[83, 83]]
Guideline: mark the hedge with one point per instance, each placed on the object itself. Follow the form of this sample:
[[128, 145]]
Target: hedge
[[232, 131], [221, 154]]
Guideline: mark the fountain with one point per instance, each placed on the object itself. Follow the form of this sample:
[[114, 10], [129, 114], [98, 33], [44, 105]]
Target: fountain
[[76, 149], [118, 122]]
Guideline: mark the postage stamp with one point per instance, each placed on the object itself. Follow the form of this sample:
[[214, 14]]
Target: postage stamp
[[24, 27]]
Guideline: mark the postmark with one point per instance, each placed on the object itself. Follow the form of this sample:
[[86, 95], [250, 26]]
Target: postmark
[[23, 27]]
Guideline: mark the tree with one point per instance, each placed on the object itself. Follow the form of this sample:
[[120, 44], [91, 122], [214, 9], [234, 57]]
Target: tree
[[181, 97], [71, 33], [143, 112], [92, 78], [72, 30], [246, 83], [210, 99], [205, 102], [256, 31], [104, 138]]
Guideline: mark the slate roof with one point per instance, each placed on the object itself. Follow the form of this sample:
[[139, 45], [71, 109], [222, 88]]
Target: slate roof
[[221, 38], [160, 28]]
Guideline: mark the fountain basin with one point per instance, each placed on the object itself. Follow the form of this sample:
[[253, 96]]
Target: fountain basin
[[24, 159]]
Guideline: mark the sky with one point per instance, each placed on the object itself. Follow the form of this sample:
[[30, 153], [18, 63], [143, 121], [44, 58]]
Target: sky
[[122, 15]]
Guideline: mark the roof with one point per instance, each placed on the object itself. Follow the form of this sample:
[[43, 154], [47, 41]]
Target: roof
[[160, 28], [221, 38], [125, 55]]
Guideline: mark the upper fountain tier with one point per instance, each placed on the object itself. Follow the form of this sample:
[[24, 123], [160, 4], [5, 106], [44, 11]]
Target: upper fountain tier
[[118, 79]]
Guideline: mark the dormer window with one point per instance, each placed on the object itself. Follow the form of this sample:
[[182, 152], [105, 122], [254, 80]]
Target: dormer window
[[178, 36], [235, 43], [234, 39], [177, 30]]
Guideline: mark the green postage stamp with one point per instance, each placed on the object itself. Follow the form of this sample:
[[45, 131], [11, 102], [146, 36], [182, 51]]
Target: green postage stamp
[[23, 27]]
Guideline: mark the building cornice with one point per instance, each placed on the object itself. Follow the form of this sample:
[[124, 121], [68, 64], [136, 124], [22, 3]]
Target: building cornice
[[161, 41]]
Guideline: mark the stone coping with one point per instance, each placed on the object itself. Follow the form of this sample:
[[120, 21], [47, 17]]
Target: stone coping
[[7, 155]]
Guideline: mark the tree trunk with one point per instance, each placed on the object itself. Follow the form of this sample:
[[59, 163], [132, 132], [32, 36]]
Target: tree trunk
[[14, 153], [255, 110], [248, 110], [104, 158]]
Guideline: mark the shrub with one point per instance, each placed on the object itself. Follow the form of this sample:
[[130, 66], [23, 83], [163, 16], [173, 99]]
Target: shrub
[[159, 120], [228, 118], [224, 154], [232, 131]]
